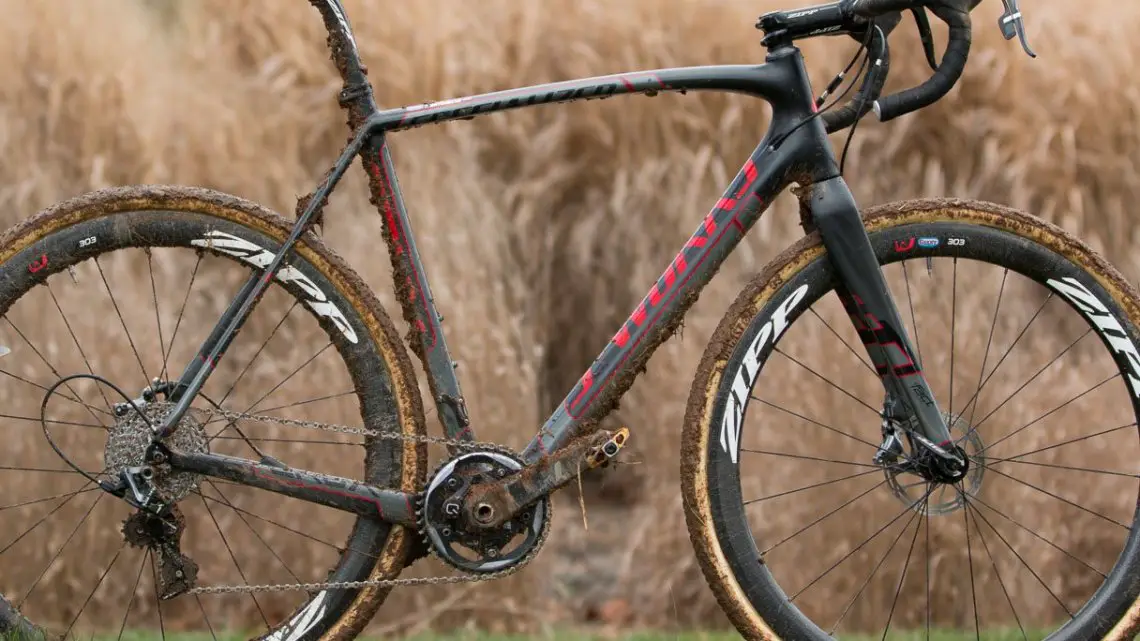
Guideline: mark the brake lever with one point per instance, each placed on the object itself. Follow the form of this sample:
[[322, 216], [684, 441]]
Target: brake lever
[[926, 35], [1011, 25]]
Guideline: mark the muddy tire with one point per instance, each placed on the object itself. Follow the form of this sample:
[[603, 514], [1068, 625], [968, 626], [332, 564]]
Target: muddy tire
[[110, 238], [984, 535]]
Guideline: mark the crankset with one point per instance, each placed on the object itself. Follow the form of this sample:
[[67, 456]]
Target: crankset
[[456, 540]]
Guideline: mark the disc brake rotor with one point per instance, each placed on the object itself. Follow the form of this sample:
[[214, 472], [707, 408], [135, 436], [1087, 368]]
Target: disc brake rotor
[[933, 498]]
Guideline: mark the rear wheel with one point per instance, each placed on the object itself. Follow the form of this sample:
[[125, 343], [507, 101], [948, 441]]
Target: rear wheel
[[1029, 341], [126, 284]]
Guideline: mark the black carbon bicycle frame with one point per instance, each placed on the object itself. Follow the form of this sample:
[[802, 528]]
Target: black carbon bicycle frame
[[791, 151]]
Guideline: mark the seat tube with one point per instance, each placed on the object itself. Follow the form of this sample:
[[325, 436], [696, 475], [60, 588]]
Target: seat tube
[[867, 298]]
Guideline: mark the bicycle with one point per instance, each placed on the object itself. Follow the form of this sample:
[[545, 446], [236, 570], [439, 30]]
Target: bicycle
[[486, 511]]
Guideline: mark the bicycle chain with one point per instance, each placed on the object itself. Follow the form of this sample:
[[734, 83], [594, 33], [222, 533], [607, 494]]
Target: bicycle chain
[[376, 583]]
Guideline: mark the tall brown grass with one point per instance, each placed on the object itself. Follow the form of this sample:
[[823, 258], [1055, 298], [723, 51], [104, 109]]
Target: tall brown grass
[[541, 229]]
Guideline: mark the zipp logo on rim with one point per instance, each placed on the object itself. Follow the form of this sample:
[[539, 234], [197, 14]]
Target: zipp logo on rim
[[1106, 325], [749, 367], [260, 257], [303, 621]]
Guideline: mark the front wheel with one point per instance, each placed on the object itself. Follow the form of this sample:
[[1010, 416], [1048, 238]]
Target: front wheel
[[1029, 340]]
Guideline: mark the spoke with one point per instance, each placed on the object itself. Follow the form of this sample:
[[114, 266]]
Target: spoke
[[55, 556], [1050, 412], [209, 626], [906, 564], [842, 340], [239, 510], [131, 602], [1033, 378], [810, 458], [259, 350], [986, 356], [311, 400], [926, 518], [857, 548], [233, 558], [813, 523], [96, 588], [276, 387], [867, 581], [913, 322], [1036, 535], [1041, 581], [233, 424], [37, 421], [978, 393], [993, 563], [53, 370], [953, 332], [970, 565], [46, 516], [75, 338], [1069, 441], [123, 321], [826, 380], [89, 407], [285, 565], [36, 469], [992, 462], [181, 311], [49, 498], [810, 487], [1059, 498], [814, 422], [157, 317]]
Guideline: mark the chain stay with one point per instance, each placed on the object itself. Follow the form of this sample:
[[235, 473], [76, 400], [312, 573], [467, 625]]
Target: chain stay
[[373, 583]]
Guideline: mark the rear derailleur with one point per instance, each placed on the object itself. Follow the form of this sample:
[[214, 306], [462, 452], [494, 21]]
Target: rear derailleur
[[161, 533], [156, 526], [157, 523]]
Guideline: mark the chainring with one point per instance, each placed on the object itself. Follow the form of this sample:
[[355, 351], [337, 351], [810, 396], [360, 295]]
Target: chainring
[[441, 523]]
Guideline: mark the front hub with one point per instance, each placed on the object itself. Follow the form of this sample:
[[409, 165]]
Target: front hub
[[932, 485]]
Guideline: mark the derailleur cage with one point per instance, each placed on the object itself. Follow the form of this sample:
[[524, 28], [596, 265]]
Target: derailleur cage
[[161, 533]]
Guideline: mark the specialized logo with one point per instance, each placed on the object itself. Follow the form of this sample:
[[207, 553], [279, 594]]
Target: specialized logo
[[259, 257], [749, 367], [303, 621], [1106, 325]]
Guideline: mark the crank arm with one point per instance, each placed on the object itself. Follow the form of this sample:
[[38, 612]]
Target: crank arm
[[489, 505], [332, 491]]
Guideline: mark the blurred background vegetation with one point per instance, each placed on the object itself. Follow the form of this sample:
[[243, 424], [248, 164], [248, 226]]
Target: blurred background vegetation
[[542, 229]]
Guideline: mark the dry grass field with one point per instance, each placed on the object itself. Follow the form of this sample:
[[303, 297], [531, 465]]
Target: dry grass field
[[540, 230]]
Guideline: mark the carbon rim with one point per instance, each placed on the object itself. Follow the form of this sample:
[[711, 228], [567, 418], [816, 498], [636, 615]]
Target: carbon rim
[[1007, 572]]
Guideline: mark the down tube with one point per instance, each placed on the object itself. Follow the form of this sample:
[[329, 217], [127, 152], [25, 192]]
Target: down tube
[[661, 311]]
